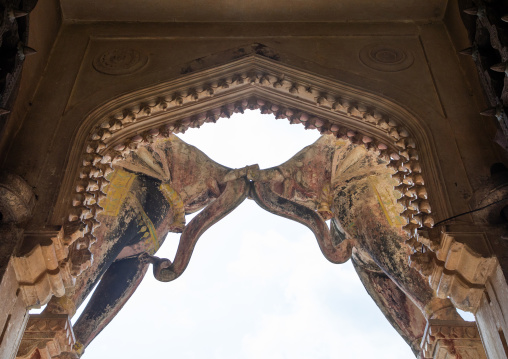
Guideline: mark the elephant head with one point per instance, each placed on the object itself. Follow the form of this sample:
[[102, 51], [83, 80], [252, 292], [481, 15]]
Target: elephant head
[[329, 180], [150, 192], [300, 190], [335, 179]]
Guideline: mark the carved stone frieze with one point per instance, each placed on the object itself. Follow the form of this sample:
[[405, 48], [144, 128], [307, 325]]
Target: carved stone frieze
[[46, 336], [447, 339], [44, 271], [317, 103], [453, 269]]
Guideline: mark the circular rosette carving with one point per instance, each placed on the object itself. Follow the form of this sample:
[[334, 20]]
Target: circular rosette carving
[[17, 198], [385, 58], [120, 61]]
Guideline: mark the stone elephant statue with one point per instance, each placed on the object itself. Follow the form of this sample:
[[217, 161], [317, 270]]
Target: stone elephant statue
[[149, 193], [335, 180]]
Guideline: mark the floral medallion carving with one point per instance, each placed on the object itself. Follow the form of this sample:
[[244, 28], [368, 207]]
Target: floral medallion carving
[[385, 58], [120, 61]]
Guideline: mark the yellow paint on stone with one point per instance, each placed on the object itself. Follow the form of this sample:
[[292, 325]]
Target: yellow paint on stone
[[176, 203], [118, 188], [150, 235], [386, 198], [78, 348]]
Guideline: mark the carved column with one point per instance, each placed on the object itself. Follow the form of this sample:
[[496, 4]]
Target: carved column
[[42, 269], [13, 313], [34, 266], [450, 339], [474, 282], [38, 271], [46, 337], [16, 204], [492, 316]]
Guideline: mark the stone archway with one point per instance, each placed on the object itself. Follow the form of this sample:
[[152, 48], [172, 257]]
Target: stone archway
[[255, 83], [122, 125]]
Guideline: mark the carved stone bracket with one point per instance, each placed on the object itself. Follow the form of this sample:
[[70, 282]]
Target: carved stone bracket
[[447, 339], [453, 269], [46, 336], [44, 271]]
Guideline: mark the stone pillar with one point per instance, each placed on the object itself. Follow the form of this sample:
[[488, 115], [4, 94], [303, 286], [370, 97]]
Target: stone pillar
[[30, 278], [13, 316], [492, 316], [16, 205], [450, 339], [46, 336], [473, 282]]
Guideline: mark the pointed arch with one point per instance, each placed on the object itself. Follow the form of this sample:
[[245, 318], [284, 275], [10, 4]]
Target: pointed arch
[[122, 124]]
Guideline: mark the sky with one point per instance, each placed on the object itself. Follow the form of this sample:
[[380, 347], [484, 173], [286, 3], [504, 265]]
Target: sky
[[257, 285]]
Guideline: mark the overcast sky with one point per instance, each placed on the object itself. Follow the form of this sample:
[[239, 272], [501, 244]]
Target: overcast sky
[[257, 285]]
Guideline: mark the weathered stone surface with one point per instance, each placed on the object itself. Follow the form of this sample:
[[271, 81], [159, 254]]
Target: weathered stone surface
[[148, 194], [491, 315], [43, 272], [454, 270], [372, 82], [13, 316], [46, 337], [354, 187], [447, 339], [17, 198]]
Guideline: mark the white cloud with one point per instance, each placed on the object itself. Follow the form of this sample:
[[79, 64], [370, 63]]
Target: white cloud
[[249, 139]]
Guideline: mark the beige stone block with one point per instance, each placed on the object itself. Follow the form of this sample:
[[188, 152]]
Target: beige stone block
[[49, 334], [492, 316], [41, 272], [449, 339], [13, 316]]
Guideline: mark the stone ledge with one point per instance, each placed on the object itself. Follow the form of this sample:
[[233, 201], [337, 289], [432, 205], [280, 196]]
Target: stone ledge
[[447, 339], [49, 335]]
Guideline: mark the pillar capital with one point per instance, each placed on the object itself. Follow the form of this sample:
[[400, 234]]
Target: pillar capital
[[46, 336], [450, 339]]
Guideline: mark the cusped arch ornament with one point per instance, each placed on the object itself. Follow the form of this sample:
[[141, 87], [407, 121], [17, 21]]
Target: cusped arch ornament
[[120, 126]]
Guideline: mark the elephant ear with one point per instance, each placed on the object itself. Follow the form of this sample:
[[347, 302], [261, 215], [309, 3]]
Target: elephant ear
[[273, 203], [147, 160], [232, 196], [353, 161]]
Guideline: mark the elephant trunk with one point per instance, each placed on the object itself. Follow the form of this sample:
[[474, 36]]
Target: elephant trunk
[[273, 203], [233, 195]]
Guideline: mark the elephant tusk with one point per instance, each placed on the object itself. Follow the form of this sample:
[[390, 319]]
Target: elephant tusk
[[234, 194], [273, 203]]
